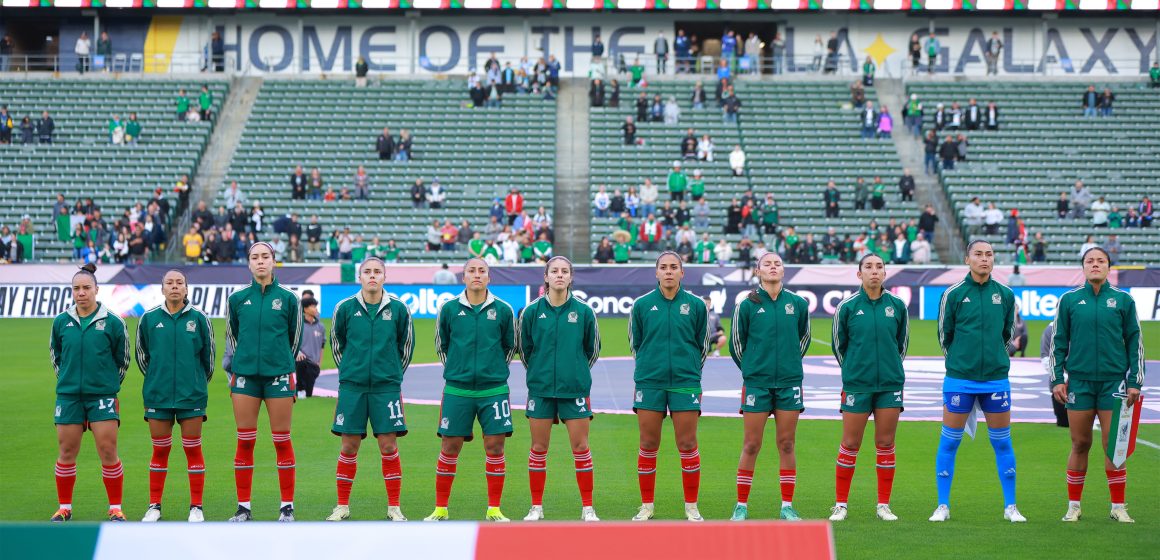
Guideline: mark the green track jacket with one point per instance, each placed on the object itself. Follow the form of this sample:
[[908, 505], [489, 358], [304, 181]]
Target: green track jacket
[[558, 346], [263, 331], [475, 346], [975, 323], [669, 340], [869, 341], [89, 361], [1097, 337], [381, 345], [176, 355], [769, 338]]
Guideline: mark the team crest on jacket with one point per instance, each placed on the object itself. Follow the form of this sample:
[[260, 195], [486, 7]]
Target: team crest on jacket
[[995, 299], [100, 325], [1112, 303], [191, 326], [276, 305], [572, 316], [684, 309], [491, 314], [387, 315], [889, 311], [789, 309]]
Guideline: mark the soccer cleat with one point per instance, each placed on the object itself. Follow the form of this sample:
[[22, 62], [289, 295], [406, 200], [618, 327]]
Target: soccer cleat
[[692, 513], [395, 513], [61, 515], [535, 514], [440, 514], [1119, 513], [941, 513], [645, 512], [1073, 513], [494, 514], [196, 515], [243, 514], [152, 514], [716, 353], [740, 512], [116, 515], [588, 513], [838, 513], [789, 514], [1012, 514], [885, 514], [340, 513], [286, 513]]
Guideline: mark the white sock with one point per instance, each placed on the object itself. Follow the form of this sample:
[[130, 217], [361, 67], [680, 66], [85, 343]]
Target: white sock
[[66, 506], [840, 504], [245, 505], [284, 504], [786, 504], [1071, 503]]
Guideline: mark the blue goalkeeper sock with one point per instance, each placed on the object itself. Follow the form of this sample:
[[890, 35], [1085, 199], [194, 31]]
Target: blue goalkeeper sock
[[1004, 461], [944, 462]]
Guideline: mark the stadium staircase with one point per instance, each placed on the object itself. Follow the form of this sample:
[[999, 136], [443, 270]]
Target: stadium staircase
[[572, 170]]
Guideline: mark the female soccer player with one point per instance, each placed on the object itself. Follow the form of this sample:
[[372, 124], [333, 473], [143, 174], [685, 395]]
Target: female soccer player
[[975, 323], [669, 338], [377, 329], [90, 352], [1097, 343], [559, 342], [771, 333], [870, 335], [475, 337], [175, 351], [263, 333]]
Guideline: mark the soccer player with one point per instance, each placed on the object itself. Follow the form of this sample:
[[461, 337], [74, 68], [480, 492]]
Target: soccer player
[[669, 338], [89, 348], [771, 333], [870, 335], [1096, 358], [377, 328], [559, 342], [263, 334], [975, 322], [717, 338], [475, 337], [175, 351]]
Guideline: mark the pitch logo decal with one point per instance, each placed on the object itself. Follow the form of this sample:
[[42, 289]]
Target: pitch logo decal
[[276, 305], [684, 309], [890, 312], [444, 423], [190, 326], [490, 314], [789, 309], [573, 317], [996, 299], [338, 420], [1111, 303]]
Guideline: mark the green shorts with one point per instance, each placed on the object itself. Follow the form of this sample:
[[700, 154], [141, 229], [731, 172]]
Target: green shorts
[[667, 400], [757, 399], [559, 409], [1098, 395], [174, 414], [72, 409], [457, 415], [264, 386], [864, 403], [384, 411]]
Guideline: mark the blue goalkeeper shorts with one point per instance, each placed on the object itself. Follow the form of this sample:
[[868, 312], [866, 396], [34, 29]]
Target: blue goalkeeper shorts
[[960, 395]]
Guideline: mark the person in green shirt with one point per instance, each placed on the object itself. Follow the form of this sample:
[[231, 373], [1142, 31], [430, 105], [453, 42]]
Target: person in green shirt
[[704, 250], [871, 332], [204, 102], [1154, 74], [491, 252], [678, 182], [868, 69], [1115, 218], [878, 194], [359, 250], [637, 71], [559, 342], [542, 248], [132, 130], [697, 186], [89, 350], [860, 194], [182, 103], [475, 246], [175, 351], [621, 252]]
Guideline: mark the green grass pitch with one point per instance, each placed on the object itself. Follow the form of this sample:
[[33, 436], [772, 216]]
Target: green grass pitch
[[28, 450]]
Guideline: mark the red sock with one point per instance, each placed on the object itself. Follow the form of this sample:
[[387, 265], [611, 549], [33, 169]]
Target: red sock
[[1075, 480], [537, 473], [646, 474], [195, 464], [1117, 481], [114, 476], [788, 481], [284, 450], [347, 467], [494, 469], [843, 473], [444, 477], [744, 484], [393, 477], [159, 467], [66, 478], [244, 463], [691, 474], [583, 462], [885, 472]]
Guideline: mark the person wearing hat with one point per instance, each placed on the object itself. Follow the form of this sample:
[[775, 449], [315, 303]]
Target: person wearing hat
[[677, 182]]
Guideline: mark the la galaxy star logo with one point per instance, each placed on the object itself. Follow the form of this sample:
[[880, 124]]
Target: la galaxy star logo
[[890, 312], [684, 309], [572, 316], [789, 309], [190, 326], [1112, 303], [995, 299], [491, 314], [276, 305]]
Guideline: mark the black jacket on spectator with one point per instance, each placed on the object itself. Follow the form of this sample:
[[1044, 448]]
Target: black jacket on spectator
[[629, 130], [906, 185], [689, 147], [733, 219], [731, 104], [1106, 100], [314, 232], [940, 119], [204, 219], [926, 221], [225, 250], [930, 145], [385, 146], [642, 109], [44, 130], [698, 96], [948, 150], [614, 97], [603, 254], [680, 215], [239, 220], [616, 204], [12, 251], [298, 186], [973, 117], [596, 94]]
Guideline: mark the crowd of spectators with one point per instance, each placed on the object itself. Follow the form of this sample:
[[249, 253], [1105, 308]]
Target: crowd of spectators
[[488, 88], [26, 131], [134, 237]]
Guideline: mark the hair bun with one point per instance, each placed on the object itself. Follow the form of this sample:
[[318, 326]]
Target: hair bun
[[89, 268]]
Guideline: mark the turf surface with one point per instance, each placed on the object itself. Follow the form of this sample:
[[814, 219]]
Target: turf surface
[[28, 450]]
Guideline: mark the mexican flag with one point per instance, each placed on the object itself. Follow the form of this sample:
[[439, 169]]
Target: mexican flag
[[1125, 422]]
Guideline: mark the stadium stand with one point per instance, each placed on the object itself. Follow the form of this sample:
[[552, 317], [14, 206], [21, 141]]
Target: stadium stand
[[1042, 147], [477, 155], [82, 163]]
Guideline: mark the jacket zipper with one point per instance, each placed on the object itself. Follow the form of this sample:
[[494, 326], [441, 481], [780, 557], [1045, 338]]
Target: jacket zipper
[[556, 356], [261, 306], [371, 371], [173, 324], [877, 346]]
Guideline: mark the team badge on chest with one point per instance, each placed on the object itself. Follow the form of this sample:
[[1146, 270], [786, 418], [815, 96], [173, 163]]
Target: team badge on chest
[[190, 326], [387, 315], [684, 309], [572, 317], [100, 326], [995, 299], [276, 305], [491, 314], [890, 312], [789, 309], [1112, 303]]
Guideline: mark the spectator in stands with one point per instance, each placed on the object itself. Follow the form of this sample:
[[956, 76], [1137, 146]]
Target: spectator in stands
[[448, 235], [868, 70], [542, 249], [885, 124], [650, 234], [1114, 248], [930, 151], [949, 152], [553, 71], [912, 115], [513, 205], [82, 49], [1107, 98], [878, 194], [730, 106], [920, 251], [1100, 209], [45, 128], [698, 96], [1145, 211], [629, 131], [234, 195], [385, 145], [992, 217], [941, 117], [705, 148], [906, 186], [494, 94], [632, 202], [723, 252], [26, 132], [1115, 218], [868, 118], [226, 249], [182, 104], [298, 182], [205, 102], [973, 216], [202, 217], [831, 199], [737, 161], [661, 50], [832, 54], [6, 48], [1062, 206], [600, 202], [132, 130], [405, 147], [677, 182], [857, 95], [330, 195], [345, 244], [116, 130], [697, 186], [961, 145], [991, 117], [418, 194], [314, 187], [973, 115], [733, 217], [1089, 243], [192, 241], [1090, 101], [700, 215], [991, 52], [617, 205], [656, 109], [689, 145], [900, 250], [955, 116], [596, 93], [436, 195], [932, 52], [597, 48], [914, 49], [648, 198], [1039, 248], [1016, 232], [1081, 198], [603, 253], [861, 194], [926, 223], [105, 50]]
